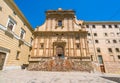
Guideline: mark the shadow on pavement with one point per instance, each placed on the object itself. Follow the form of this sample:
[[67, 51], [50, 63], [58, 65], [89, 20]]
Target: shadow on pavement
[[115, 79]]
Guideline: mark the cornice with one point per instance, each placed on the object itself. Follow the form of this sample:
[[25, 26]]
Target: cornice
[[66, 32], [101, 22], [19, 13]]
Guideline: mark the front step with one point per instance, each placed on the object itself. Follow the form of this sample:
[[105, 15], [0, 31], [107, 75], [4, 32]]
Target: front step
[[59, 64]]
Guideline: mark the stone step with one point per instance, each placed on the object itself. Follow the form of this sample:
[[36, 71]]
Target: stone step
[[59, 64]]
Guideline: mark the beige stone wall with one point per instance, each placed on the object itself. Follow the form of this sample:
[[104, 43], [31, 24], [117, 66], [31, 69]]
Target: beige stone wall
[[111, 63], [48, 46], [112, 67], [12, 42], [68, 31]]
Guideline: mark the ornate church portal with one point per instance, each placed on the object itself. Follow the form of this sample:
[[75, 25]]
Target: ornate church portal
[[60, 51], [60, 44]]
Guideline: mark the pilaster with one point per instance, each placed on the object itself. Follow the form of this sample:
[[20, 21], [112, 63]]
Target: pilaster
[[81, 44], [33, 48], [45, 44], [38, 46], [74, 46]]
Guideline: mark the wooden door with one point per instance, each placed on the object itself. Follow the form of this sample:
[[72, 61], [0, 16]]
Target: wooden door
[[2, 60], [60, 51]]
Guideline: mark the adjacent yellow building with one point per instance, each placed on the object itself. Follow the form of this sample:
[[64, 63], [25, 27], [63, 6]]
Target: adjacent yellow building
[[15, 36]]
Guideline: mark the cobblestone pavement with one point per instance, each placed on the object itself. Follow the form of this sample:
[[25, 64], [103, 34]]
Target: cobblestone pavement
[[23, 76]]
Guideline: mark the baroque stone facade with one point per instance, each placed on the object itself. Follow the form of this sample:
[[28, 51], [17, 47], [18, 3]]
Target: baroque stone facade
[[65, 43], [61, 36]]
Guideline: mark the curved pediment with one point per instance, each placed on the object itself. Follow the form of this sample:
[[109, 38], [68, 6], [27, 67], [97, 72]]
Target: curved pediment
[[62, 21]]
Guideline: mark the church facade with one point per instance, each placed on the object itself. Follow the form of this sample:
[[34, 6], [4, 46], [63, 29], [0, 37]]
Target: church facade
[[83, 46], [62, 36]]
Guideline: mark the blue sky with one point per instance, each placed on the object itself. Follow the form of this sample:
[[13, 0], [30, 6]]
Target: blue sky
[[88, 10]]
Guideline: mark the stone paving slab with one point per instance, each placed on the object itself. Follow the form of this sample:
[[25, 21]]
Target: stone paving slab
[[23, 76]]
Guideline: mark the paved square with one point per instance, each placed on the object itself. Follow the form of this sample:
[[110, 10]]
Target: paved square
[[24, 76]]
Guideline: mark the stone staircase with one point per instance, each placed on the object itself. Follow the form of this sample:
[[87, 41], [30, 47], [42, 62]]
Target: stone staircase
[[59, 64]]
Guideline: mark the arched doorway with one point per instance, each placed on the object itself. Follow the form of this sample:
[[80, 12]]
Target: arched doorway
[[60, 51]]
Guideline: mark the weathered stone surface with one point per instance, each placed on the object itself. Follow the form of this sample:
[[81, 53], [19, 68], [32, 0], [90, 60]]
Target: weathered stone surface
[[59, 64]]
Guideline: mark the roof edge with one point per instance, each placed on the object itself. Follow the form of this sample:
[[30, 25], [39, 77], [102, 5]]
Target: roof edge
[[12, 3]]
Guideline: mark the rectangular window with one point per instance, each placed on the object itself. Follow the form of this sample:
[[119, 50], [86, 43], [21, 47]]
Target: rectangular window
[[107, 41], [105, 34], [17, 55], [87, 26], [96, 41], [93, 26], [118, 34], [110, 26], [114, 41], [118, 56], [11, 23], [109, 49], [116, 26], [98, 50], [88, 34], [41, 45], [95, 34], [77, 45], [100, 59], [117, 49], [22, 33], [103, 26]]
